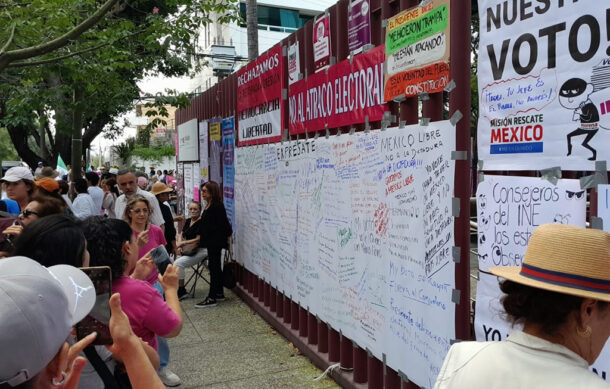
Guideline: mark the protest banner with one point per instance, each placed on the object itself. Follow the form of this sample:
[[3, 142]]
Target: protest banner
[[345, 95], [321, 42], [228, 168], [543, 76], [188, 141], [260, 106], [417, 50], [294, 63], [204, 156], [215, 150], [358, 25], [508, 211]]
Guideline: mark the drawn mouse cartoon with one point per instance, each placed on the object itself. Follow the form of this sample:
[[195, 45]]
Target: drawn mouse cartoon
[[574, 95]]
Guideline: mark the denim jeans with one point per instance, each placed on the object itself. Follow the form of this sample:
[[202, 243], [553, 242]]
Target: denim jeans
[[161, 341]]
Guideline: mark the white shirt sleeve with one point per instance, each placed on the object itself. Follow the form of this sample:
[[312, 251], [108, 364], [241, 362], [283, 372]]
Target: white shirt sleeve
[[81, 207]]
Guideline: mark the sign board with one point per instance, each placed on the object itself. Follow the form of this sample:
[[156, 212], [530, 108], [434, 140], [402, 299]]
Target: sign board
[[359, 229], [228, 167], [204, 155], [508, 211], [417, 50], [294, 63], [543, 84], [343, 96], [260, 106], [358, 25], [188, 141], [215, 150], [321, 42]]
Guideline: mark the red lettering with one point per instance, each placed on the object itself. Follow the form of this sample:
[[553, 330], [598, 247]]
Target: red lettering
[[495, 136], [505, 135], [537, 132]]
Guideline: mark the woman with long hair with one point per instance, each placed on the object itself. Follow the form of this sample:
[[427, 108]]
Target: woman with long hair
[[214, 235], [110, 195]]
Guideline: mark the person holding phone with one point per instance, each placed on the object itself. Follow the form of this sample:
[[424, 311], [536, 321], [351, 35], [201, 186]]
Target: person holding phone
[[138, 213], [214, 233], [111, 242]]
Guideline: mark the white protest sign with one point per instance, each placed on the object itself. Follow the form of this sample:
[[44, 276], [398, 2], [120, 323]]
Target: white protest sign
[[508, 211], [294, 63], [543, 76], [603, 205], [188, 141], [359, 229]]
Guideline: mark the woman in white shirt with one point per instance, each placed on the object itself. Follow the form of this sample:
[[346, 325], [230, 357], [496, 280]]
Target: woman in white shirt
[[560, 294]]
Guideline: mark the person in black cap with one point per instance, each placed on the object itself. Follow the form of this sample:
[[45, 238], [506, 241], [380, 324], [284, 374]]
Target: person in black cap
[[574, 94]]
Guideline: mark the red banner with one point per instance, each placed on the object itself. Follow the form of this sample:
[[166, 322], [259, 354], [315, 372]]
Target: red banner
[[260, 107], [430, 79], [342, 97]]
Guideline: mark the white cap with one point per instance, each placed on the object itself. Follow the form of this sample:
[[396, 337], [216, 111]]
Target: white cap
[[38, 308], [18, 173], [113, 170]]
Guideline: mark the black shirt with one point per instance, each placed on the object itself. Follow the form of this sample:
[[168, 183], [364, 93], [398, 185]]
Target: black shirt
[[215, 227]]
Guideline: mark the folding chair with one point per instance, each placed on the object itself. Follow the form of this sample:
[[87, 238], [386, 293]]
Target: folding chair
[[197, 274]]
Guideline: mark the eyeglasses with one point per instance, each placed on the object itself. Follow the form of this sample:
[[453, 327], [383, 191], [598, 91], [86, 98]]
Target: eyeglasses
[[204, 190], [27, 213], [139, 211]]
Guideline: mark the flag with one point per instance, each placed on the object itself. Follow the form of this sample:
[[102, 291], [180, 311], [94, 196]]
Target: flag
[[62, 169]]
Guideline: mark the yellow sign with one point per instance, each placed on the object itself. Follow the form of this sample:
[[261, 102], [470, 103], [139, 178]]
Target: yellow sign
[[215, 131]]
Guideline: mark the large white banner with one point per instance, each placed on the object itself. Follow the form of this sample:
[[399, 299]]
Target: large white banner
[[188, 183], [603, 205], [358, 229], [544, 69], [508, 210], [188, 141]]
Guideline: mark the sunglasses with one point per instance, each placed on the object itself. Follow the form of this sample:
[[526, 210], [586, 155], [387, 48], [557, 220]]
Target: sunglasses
[[28, 213]]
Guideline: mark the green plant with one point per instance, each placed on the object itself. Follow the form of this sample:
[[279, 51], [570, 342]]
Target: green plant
[[154, 153]]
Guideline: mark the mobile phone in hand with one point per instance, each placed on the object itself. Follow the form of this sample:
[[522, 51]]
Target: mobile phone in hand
[[161, 258], [99, 318]]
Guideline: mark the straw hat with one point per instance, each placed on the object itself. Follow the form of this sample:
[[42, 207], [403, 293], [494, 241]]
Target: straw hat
[[565, 259], [159, 188]]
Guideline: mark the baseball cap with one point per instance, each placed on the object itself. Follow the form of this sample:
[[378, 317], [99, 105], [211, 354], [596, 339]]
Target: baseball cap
[[38, 308], [48, 184], [18, 173], [113, 170]]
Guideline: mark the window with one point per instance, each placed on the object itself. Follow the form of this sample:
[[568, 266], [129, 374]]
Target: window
[[277, 17]]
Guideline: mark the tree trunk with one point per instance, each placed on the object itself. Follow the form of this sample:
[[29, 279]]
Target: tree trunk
[[77, 134], [252, 24]]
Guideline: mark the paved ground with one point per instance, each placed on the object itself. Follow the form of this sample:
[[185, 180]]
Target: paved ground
[[230, 346]]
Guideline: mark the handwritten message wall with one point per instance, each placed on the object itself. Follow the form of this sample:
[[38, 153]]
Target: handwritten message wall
[[228, 170], [358, 228], [544, 69], [204, 155], [508, 210]]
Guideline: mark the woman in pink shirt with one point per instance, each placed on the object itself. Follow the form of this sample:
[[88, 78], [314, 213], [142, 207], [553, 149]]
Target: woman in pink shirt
[[111, 243], [149, 236]]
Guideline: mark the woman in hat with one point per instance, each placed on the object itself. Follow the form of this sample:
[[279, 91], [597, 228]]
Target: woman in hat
[[560, 294]]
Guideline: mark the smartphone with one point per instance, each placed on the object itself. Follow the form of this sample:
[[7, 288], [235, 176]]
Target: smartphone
[[161, 258], [99, 318]]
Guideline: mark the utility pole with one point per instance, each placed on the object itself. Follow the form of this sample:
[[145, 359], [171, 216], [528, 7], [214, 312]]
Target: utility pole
[[252, 24], [77, 133]]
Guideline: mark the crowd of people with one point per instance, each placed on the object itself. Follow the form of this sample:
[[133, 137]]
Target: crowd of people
[[116, 219]]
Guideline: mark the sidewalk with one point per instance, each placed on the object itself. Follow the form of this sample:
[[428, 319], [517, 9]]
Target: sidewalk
[[230, 346]]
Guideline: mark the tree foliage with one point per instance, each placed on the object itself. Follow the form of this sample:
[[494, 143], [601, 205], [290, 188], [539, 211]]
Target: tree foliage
[[93, 79]]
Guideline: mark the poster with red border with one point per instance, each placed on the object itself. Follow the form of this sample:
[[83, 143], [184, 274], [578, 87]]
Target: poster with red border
[[260, 107], [343, 96], [321, 42]]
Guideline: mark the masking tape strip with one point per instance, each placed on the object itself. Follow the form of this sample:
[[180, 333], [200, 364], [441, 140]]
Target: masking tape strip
[[399, 99], [451, 86], [424, 121], [284, 51], [455, 295], [597, 223], [401, 124], [456, 117], [459, 155], [384, 23], [284, 94], [367, 126], [456, 254], [454, 341], [383, 359], [552, 174], [599, 177], [455, 207], [481, 177], [367, 47], [424, 96], [480, 164], [403, 377]]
